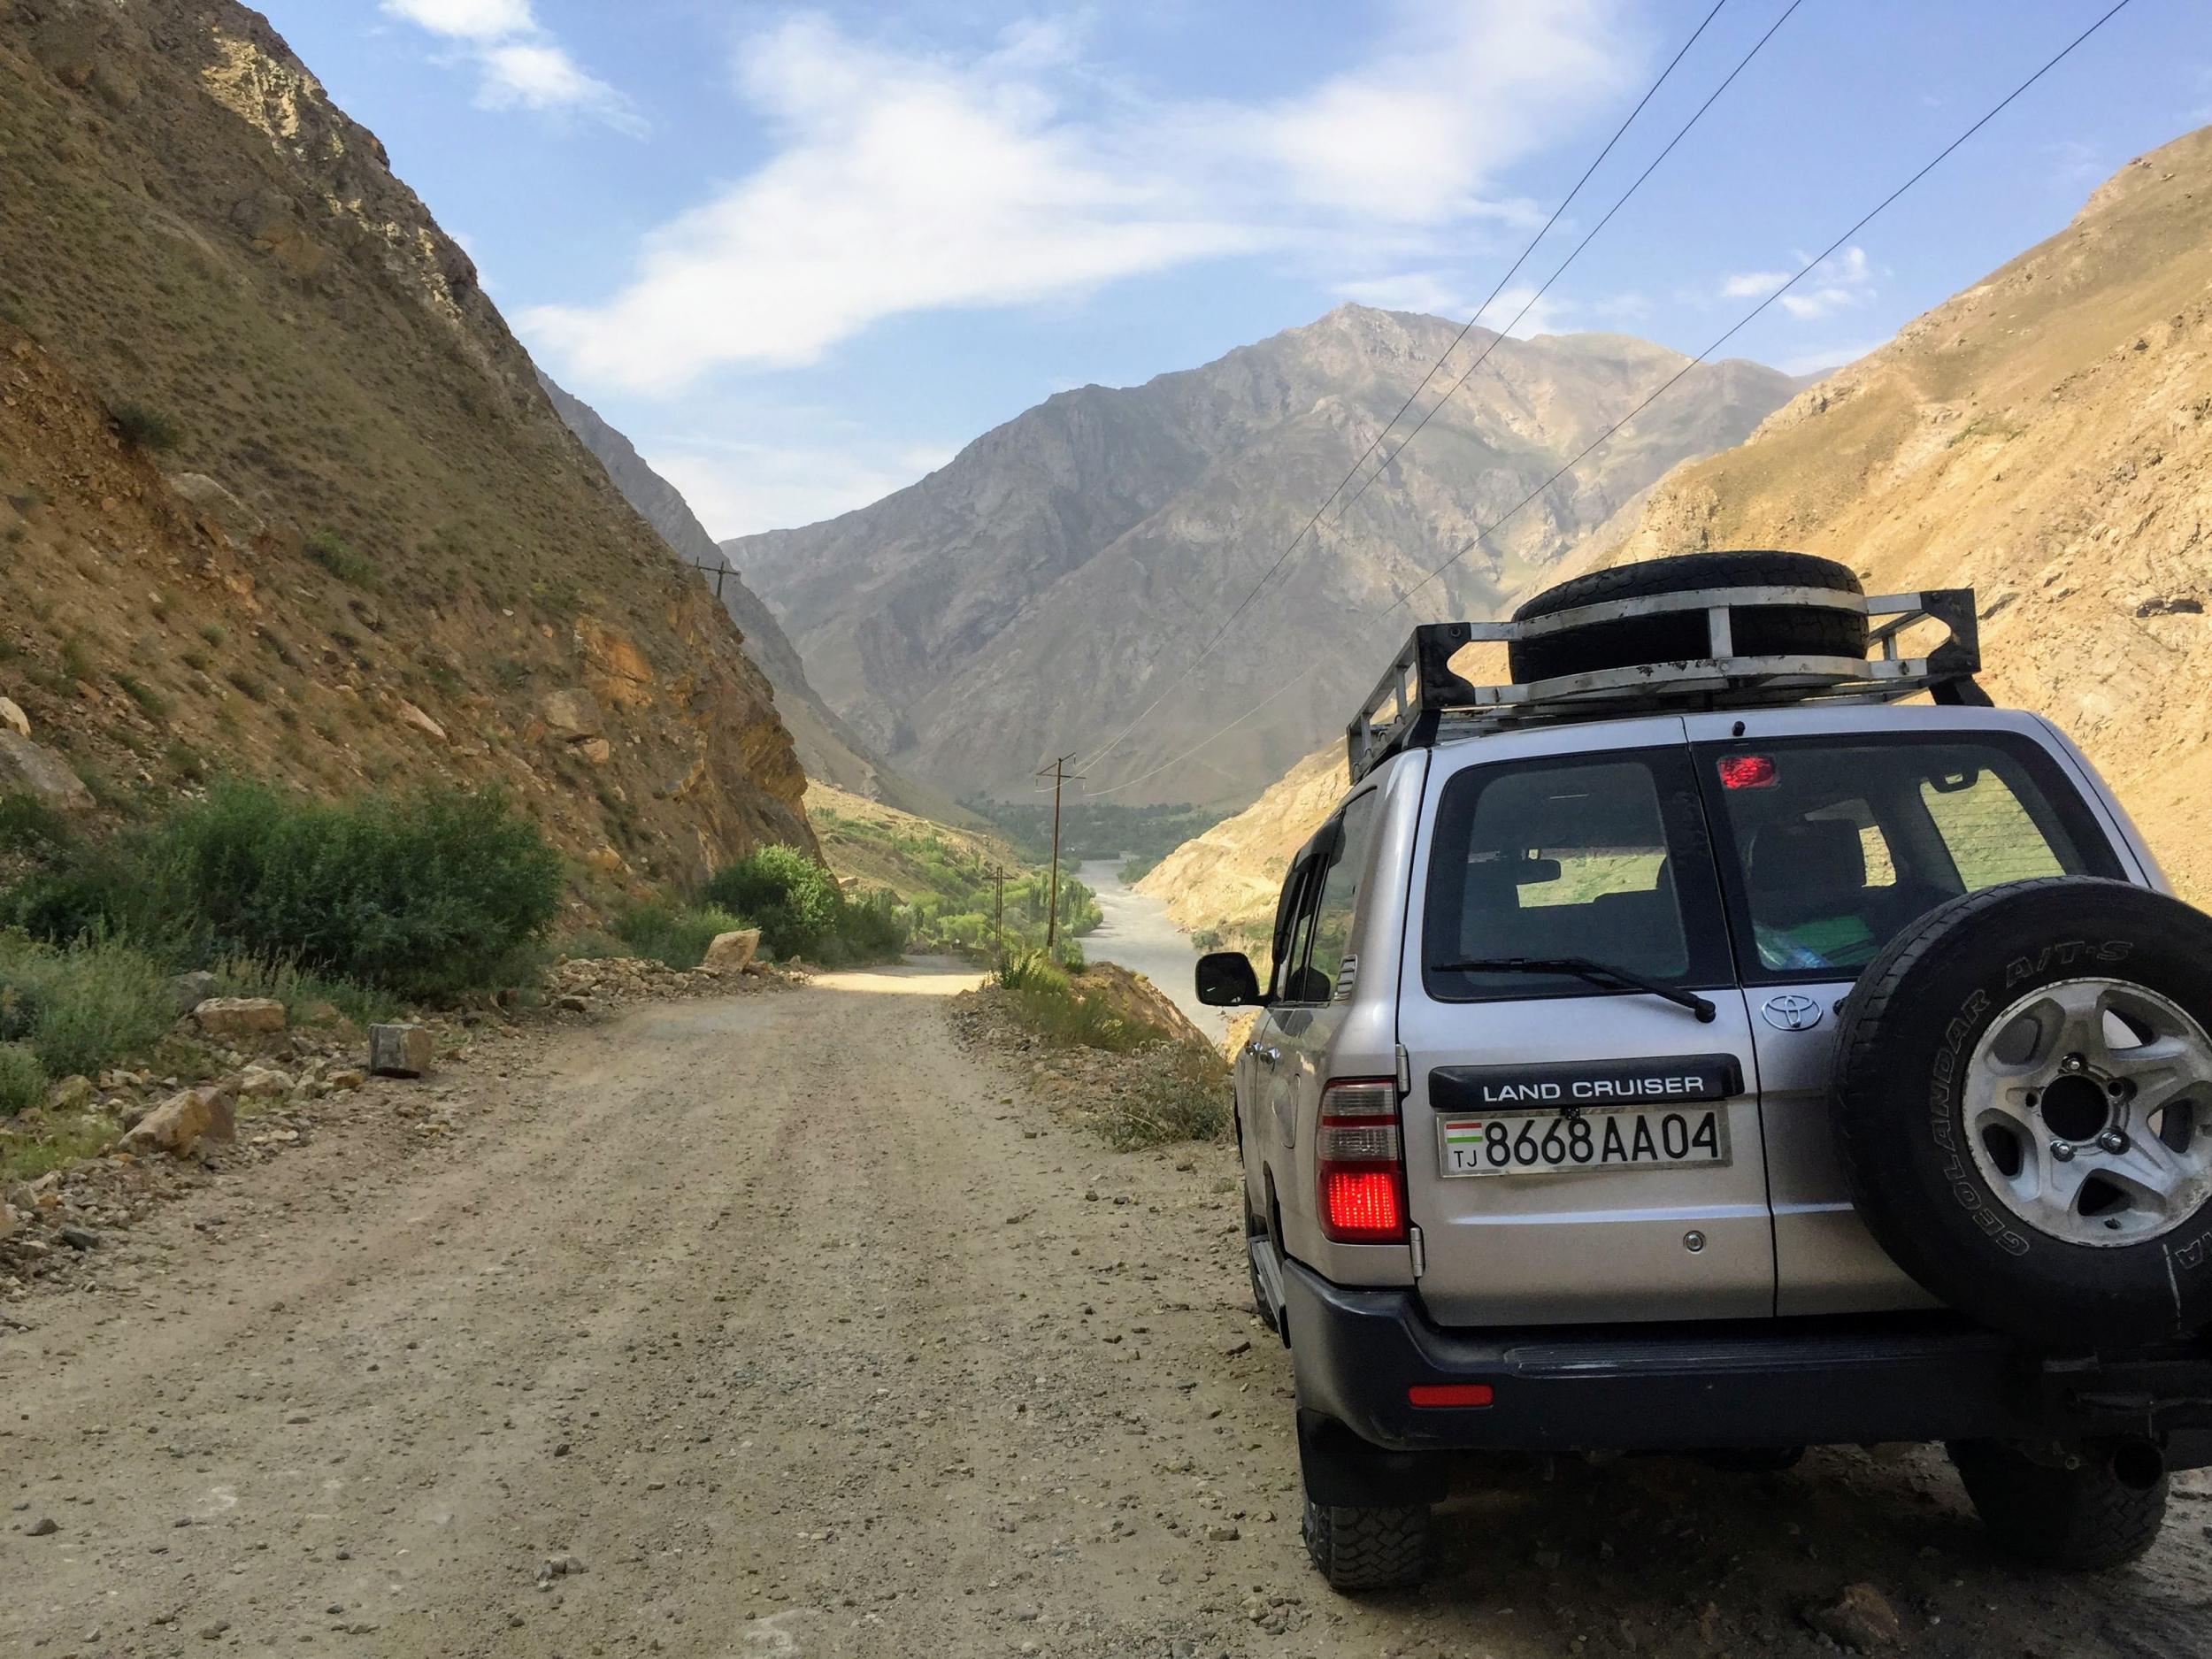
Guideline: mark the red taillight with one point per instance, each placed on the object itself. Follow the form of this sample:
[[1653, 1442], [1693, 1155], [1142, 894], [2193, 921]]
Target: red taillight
[[1363, 1183], [1470, 1394], [1747, 771]]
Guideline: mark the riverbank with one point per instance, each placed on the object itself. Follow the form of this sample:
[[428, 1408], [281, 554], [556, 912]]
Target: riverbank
[[1137, 934]]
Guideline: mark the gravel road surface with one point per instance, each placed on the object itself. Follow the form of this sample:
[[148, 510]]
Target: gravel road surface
[[781, 1325]]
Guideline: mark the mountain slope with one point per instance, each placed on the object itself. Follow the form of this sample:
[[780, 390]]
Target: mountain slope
[[2046, 436], [1047, 583], [827, 748], [350, 545]]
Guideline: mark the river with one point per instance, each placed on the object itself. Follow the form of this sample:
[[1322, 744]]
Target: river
[[1137, 934]]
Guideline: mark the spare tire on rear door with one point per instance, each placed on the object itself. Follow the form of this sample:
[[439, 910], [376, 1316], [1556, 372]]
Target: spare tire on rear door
[[1760, 631], [2023, 1103]]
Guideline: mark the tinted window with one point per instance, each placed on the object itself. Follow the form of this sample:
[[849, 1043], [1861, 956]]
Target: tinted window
[[1293, 981], [1340, 890], [1835, 845], [1576, 857]]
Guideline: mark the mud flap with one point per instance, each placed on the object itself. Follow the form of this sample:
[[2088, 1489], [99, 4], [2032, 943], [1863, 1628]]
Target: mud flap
[[1341, 1469]]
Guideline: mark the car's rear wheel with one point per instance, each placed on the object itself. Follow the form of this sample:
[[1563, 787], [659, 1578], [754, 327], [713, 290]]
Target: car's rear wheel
[[2023, 1104], [2085, 1509], [1802, 629], [1360, 1548]]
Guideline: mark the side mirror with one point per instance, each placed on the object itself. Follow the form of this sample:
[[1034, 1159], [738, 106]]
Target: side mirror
[[1226, 979]]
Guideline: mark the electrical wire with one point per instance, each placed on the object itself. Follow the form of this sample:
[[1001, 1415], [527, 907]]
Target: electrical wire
[[1374, 443], [1942, 155]]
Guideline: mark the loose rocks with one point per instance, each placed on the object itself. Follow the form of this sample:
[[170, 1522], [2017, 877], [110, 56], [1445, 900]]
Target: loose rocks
[[231, 1016], [401, 1050]]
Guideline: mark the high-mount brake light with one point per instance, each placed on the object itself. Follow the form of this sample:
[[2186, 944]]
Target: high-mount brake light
[[1361, 1154], [1747, 771]]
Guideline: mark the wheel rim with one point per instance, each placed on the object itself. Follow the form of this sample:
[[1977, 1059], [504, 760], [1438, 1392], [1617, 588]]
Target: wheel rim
[[2088, 1109]]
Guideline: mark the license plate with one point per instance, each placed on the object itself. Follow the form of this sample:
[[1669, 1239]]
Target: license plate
[[1600, 1138]]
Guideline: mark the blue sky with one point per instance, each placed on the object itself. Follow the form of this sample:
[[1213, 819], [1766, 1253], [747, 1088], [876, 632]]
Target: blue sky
[[803, 254]]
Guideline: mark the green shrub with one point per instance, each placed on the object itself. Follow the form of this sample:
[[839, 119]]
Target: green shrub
[[801, 911], [83, 1007], [144, 428], [430, 897], [1182, 1097], [22, 1080], [1046, 1000], [27, 824], [674, 935], [328, 551]]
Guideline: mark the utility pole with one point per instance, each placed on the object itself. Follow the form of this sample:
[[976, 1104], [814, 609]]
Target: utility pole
[[996, 875], [1060, 775]]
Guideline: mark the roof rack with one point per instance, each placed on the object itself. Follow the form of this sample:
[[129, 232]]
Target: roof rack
[[1419, 691]]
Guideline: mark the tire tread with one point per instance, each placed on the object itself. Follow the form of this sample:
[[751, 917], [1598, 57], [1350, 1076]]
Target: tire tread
[[1368, 1548]]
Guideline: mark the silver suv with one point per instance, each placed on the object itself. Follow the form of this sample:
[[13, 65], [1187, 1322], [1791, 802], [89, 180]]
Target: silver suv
[[1692, 1046]]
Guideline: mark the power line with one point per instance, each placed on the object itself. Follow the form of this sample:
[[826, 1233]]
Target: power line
[[1472, 541], [1484, 356], [1376, 442]]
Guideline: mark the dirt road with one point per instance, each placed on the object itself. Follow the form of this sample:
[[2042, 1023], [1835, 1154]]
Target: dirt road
[[801, 1332]]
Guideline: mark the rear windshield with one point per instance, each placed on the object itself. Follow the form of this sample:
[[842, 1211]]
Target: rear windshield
[[1829, 847], [1576, 856]]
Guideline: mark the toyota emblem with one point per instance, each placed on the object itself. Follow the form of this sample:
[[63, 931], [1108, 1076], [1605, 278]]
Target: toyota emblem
[[1791, 1012]]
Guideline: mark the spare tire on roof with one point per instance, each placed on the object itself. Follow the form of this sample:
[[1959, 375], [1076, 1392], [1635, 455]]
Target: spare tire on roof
[[1760, 631], [2023, 1105]]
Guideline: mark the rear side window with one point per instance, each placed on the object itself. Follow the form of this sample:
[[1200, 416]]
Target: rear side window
[[1601, 857], [1340, 893], [1830, 847]]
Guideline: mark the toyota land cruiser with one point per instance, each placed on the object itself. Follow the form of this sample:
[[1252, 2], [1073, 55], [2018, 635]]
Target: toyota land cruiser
[[1691, 1045]]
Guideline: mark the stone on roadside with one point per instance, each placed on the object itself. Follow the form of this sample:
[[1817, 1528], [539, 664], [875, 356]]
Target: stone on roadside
[[263, 1082], [71, 1095], [9, 1220], [188, 991], [401, 1050], [1861, 1619], [346, 1077], [239, 1016], [732, 952], [182, 1121]]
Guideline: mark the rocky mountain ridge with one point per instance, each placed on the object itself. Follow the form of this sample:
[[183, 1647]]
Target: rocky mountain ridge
[[279, 494], [1045, 585], [2045, 436]]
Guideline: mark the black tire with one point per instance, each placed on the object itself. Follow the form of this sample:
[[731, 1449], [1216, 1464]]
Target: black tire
[[1908, 1035], [1771, 630], [2085, 1519], [1366, 1549]]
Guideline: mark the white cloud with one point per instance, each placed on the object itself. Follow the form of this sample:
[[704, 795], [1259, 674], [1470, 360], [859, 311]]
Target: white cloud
[[1522, 316], [1835, 284], [1752, 285], [740, 488], [522, 67], [467, 19], [1626, 307], [900, 180], [1831, 286]]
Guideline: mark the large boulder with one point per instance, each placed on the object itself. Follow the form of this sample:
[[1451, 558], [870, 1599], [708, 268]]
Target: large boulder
[[732, 952], [234, 1017], [188, 991], [217, 509], [13, 719], [27, 769], [572, 713], [182, 1121], [263, 1082]]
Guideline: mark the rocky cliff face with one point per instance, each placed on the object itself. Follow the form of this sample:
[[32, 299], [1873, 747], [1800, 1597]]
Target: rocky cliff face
[[279, 494], [2046, 436], [1017, 599], [829, 750]]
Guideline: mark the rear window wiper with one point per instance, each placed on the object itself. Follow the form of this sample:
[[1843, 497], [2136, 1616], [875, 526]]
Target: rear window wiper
[[1583, 968]]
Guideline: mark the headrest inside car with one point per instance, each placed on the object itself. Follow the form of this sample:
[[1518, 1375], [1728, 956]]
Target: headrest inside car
[[1811, 855]]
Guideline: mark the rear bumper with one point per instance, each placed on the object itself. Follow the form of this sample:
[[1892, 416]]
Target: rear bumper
[[1694, 1388]]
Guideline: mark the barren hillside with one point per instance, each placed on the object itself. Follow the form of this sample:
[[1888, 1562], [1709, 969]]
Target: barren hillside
[[2046, 436], [279, 492], [1041, 588]]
